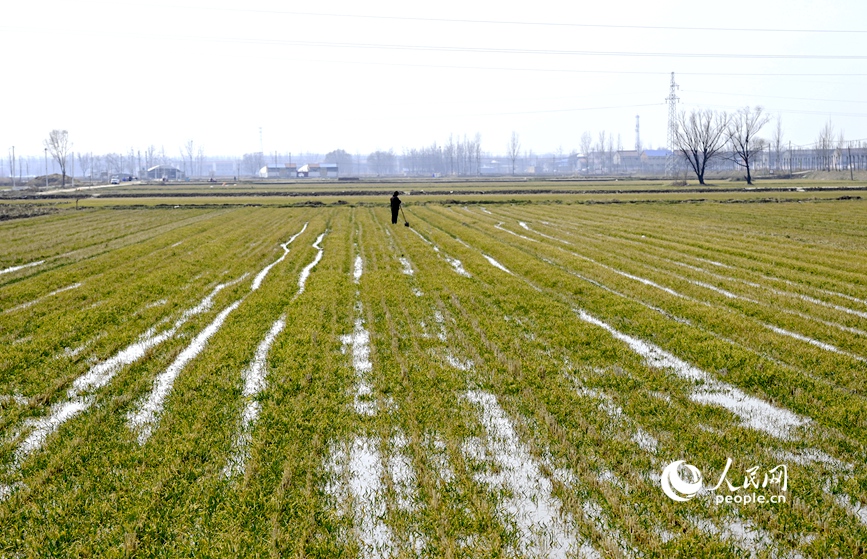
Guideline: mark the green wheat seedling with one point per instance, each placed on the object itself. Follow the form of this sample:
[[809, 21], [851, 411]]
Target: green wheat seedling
[[503, 378]]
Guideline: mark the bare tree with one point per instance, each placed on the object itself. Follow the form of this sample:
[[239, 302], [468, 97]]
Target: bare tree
[[777, 142], [253, 162], [600, 149], [96, 164], [85, 161], [700, 136], [477, 149], [460, 156], [58, 145], [824, 145], [514, 149], [184, 162], [113, 162], [741, 133], [190, 152], [837, 156], [450, 150], [573, 161], [428, 160], [150, 157], [382, 162], [12, 166], [130, 162], [586, 145]]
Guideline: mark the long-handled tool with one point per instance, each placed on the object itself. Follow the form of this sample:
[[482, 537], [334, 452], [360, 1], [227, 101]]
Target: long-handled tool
[[405, 222]]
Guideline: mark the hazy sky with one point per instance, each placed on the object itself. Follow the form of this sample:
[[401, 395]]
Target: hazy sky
[[370, 75]]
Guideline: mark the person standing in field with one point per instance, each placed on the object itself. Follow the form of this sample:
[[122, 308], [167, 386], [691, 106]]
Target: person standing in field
[[395, 207]]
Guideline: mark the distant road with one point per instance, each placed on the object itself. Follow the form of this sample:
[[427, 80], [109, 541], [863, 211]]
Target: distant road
[[77, 188]]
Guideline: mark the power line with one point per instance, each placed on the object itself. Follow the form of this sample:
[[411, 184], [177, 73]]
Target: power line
[[511, 22], [477, 50], [814, 145], [778, 75], [428, 115], [555, 70], [562, 70], [547, 52], [776, 97], [544, 111], [786, 111]]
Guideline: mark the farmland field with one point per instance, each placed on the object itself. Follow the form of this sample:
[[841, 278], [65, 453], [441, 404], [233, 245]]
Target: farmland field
[[502, 379]]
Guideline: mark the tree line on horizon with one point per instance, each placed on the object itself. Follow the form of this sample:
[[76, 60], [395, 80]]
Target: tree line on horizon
[[700, 137]]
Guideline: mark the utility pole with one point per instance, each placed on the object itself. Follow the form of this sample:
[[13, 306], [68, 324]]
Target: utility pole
[[46, 167], [670, 161], [13, 167], [851, 172]]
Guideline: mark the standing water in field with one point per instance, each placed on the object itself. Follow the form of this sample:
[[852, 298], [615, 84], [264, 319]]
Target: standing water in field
[[254, 383], [144, 419], [458, 266], [80, 396], [255, 378], [496, 264], [407, 267], [545, 529], [285, 246], [21, 267], [58, 291], [146, 416], [357, 486], [358, 268], [356, 477], [358, 344], [305, 273], [754, 412]]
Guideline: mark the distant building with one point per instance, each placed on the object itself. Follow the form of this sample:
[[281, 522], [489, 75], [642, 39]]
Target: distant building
[[222, 168], [328, 170], [287, 171], [311, 170], [168, 172], [653, 161], [627, 161]]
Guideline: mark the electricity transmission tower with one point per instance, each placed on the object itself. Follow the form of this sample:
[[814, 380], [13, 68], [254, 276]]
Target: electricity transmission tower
[[671, 160]]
